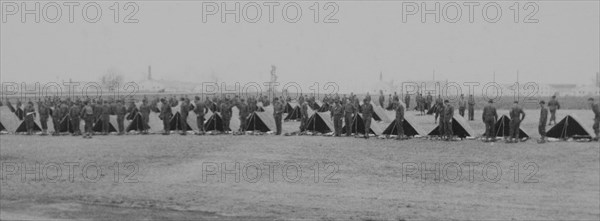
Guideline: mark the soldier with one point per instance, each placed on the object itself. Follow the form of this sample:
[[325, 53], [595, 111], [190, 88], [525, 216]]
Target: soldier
[[120, 111], [489, 118], [56, 118], [399, 119], [301, 99], [337, 112], [441, 112], [226, 114], [165, 116], [596, 110], [543, 120], [145, 109], [516, 117], [462, 105], [44, 111], [74, 114], [349, 112], [448, 117], [184, 111], [87, 113], [200, 111], [303, 115], [105, 117], [438, 103], [29, 113], [420, 102], [553, 105], [390, 105], [368, 98], [471, 104], [243, 114], [277, 114], [381, 98], [428, 100], [367, 111]]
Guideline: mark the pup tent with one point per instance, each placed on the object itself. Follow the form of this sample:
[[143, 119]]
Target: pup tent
[[460, 128], [324, 107], [409, 127], [320, 122], [358, 126], [502, 128], [136, 124], [214, 122], [569, 127], [175, 123], [261, 121], [379, 114], [112, 121], [432, 109], [293, 111], [2, 129]]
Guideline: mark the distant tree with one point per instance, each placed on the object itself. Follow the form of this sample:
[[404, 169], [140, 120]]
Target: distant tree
[[111, 79]]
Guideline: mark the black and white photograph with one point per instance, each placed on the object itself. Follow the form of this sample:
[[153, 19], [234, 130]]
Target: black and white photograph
[[365, 110]]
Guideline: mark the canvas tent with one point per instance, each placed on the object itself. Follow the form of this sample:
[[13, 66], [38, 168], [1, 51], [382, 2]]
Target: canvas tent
[[98, 126], [260, 121], [460, 128], [502, 128], [175, 123], [320, 122], [379, 114], [289, 107], [324, 108], [214, 123], [2, 128], [23, 128], [409, 127], [136, 124], [432, 109], [358, 126], [293, 111], [569, 127]]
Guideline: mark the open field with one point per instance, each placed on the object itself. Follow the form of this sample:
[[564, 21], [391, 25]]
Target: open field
[[169, 177]]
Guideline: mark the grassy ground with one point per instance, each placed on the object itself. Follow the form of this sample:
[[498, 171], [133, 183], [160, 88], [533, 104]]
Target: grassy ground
[[169, 177]]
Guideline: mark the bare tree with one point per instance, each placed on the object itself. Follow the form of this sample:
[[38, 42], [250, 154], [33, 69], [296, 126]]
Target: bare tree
[[111, 79]]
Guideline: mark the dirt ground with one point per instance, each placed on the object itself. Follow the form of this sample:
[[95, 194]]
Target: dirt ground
[[302, 177]]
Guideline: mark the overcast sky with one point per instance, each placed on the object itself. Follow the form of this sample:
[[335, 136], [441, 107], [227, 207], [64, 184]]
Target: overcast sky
[[370, 37]]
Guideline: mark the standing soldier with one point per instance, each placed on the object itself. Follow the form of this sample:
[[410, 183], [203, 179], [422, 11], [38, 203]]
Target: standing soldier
[[428, 101], [29, 113], [200, 111], [56, 118], [596, 110], [226, 114], [381, 98], [489, 118], [337, 112], [44, 111], [420, 102], [165, 116], [367, 111], [301, 99], [462, 105], [349, 111], [105, 117], [438, 103], [243, 114], [399, 119], [543, 120], [471, 103], [145, 109], [75, 113], [304, 115], [553, 105], [277, 114], [516, 117], [120, 111], [184, 110], [407, 100], [448, 117], [88, 116], [440, 111]]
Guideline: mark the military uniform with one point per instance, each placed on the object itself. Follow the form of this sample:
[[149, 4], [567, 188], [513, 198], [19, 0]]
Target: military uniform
[[75, 113], [399, 119], [88, 117], [304, 116], [243, 114], [515, 121], [367, 111], [278, 114], [145, 112], [105, 117], [337, 111], [29, 113], [56, 118], [489, 118], [200, 110], [165, 116], [441, 125], [553, 105], [120, 111], [184, 111], [381, 100], [448, 118], [471, 104], [596, 126], [462, 106], [44, 112], [542, 123], [349, 112], [226, 114]]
